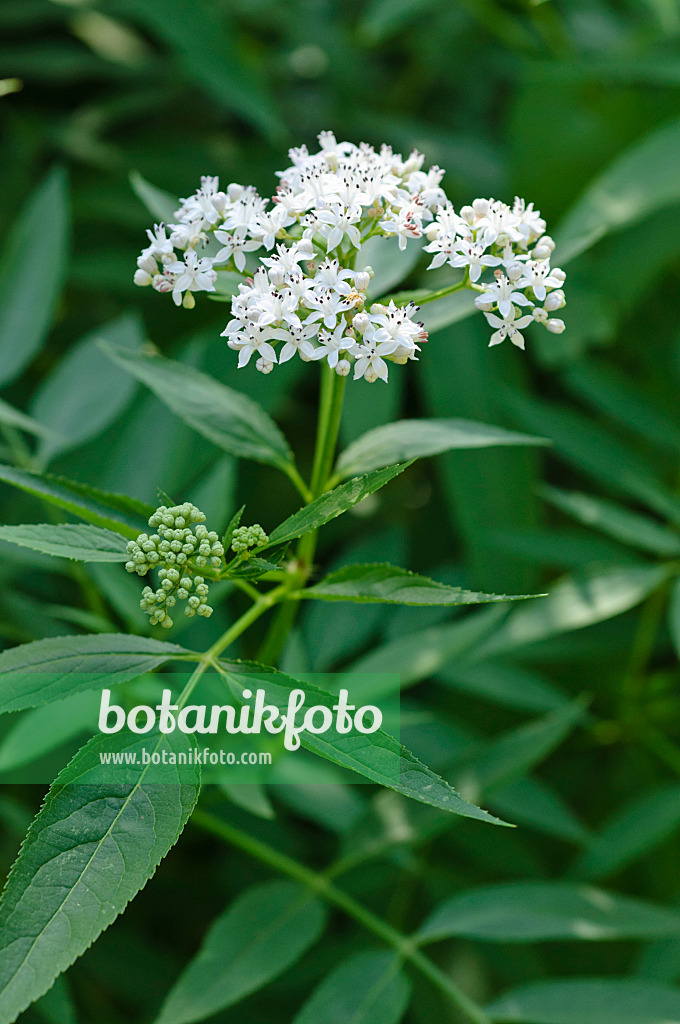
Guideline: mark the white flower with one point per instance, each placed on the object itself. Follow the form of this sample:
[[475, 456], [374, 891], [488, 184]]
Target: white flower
[[193, 275], [503, 293], [332, 343], [254, 339], [473, 255], [537, 275], [298, 341], [508, 327], [327, 306], [369, 361], [236, 244], [161, 247], [406, 222]]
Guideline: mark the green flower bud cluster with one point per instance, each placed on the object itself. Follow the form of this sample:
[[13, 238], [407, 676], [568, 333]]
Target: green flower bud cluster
[[180, 546], [246, 537]]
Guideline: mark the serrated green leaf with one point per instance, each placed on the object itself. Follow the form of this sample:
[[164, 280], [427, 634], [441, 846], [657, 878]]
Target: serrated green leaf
[[368, 988], [588, 1001], [51, 669], [415, 439], [264, 931], [377, 756], [84, 393], [116, 512], [542, 911], [631, 832], [159, 203], [226, 417], [333, 504], [618, 522], [388, 584], [638, 182], [27, 310], [65, 540], [90, 850]]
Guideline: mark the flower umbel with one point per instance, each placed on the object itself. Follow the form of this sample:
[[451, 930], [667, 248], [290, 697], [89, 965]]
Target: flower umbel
[[181, 546], [307, 292]]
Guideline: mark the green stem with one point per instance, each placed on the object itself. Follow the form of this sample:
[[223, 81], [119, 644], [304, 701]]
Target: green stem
[[322, 886], [330, 414]]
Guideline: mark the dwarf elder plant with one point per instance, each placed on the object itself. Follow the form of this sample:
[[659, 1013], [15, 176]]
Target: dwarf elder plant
[[308, 275]]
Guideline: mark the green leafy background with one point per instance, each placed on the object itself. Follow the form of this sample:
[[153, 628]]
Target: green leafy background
[[560, 715]]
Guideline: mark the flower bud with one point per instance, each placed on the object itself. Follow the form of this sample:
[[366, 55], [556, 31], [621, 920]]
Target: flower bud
[[188, 301], [147, 263], [467, 214], [343, 368], [360, 322], [514, 271], [264, 365], [235, 191], [555, 300], [481, 207], [362, 279], [555, 326], [277, 276], [541, 252], [540, 315], [548, 242], [142, 278], [558, 274], [432, 231]]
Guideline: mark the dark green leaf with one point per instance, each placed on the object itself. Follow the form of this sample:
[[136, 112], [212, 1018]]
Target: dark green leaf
[[333, 504], [414, 439], [226, 417], [541, 911], [389, 585], [589, 1001], [64, 540], [90, 850], [14, 418], [369, 988], [54, 668], [116, 512], [377, 756], [630, 528], [42, 729], [31, 274], [262, 933]]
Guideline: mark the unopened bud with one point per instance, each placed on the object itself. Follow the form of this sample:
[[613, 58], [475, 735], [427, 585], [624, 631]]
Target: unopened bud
[[540, 315], [548, 242], [467, 214], [343, 368], [555, 326], [142, 278], [264, 365], [277, 276], [555, 300], [541, 252], [558, 274], [188, 301], [362, 279], [235, 191], [360, 322], [481, 207]]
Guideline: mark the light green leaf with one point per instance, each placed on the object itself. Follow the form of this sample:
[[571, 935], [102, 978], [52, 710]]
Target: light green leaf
[[43, 729], [51, 669], [637, 183], [90, 850], [589, 1001], [541, 911], [84, 394], [419, 655], [226, 417], [65, 540], [368, 988], [159, 203], [116, 512], [595, 451], [414, 439], [389, 585], [264, 931], [333, 504], [631, 528], [14, 418], [633, 830], [377, 756], [27, 310], [575, 602]]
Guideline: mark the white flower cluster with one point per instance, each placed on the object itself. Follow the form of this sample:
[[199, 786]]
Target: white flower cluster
[[307, 295], [511, 241]]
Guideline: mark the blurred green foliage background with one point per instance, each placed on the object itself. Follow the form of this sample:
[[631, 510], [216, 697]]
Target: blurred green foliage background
[[511, 97]]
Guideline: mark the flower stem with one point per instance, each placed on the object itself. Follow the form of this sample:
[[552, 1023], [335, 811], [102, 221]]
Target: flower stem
[[330, 414], [322, 886]]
